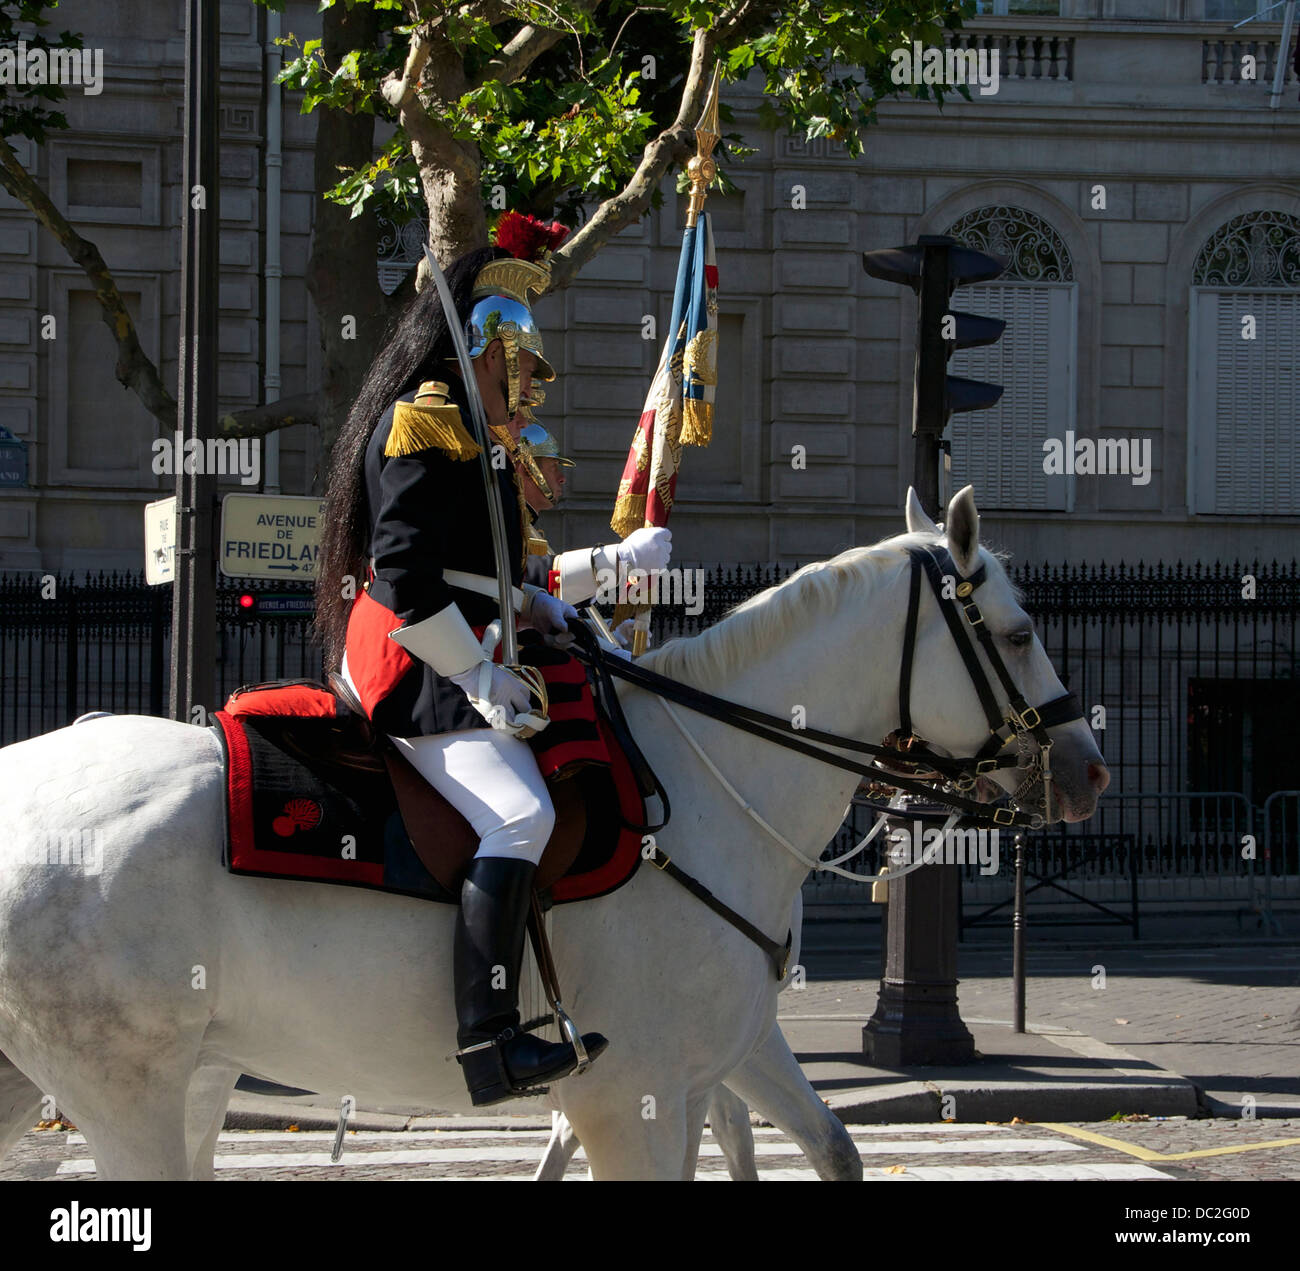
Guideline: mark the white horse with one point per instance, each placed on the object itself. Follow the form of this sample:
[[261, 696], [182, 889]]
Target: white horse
[[139, 982]]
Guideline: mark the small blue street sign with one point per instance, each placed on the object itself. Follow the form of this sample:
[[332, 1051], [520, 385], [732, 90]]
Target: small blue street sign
[[13, 460]]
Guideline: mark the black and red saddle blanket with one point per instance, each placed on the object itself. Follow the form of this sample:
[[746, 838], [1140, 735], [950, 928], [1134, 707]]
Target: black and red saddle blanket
[[310, 798]]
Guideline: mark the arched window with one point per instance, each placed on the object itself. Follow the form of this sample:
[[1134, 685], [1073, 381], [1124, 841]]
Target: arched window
[[1244, 379], [1000, 451], [401, 247]]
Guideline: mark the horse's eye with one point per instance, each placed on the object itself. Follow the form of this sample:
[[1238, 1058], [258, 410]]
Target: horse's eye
[[1018, 639]]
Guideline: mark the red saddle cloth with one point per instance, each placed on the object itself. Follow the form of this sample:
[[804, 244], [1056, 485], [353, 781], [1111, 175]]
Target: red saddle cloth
[[292, 798]]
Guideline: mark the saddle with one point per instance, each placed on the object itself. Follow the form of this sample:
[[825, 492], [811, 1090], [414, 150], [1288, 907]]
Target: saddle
[[315, 793]]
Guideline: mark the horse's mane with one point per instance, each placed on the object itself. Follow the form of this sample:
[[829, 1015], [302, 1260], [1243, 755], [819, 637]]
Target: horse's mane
[[807, 596]]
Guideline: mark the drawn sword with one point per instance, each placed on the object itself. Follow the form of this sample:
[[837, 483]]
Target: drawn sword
[[478, 420]]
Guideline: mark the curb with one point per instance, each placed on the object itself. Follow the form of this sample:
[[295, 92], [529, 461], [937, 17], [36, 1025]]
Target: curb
[[1004, 1100], [1262, 1111]]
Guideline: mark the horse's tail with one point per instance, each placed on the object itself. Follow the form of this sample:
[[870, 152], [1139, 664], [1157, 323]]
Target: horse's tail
[[20, 1104]]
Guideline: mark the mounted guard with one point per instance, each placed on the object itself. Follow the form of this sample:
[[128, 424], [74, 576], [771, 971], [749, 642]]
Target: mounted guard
[[438, 545]]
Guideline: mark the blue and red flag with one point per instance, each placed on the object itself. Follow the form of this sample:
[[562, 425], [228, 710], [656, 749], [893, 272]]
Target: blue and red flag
[[679, 407]]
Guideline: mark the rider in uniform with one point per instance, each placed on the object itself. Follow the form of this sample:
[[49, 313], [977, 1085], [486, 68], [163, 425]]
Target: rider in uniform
[[457, 717]]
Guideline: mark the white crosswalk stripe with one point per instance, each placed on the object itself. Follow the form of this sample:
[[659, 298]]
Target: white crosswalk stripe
[[890, 1153]]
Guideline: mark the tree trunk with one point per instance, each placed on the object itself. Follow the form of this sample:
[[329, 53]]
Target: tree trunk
[[342, 274], [450, 170]]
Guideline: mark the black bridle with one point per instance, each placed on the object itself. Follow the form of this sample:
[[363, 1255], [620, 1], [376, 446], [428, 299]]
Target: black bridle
[[1020, 718], [961, 774]]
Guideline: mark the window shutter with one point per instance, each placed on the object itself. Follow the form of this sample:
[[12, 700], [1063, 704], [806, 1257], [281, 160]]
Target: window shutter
[[1000, 451], [1251, 387]]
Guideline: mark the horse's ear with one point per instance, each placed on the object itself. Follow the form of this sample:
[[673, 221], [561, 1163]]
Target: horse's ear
[[964, 530], [917, 520]]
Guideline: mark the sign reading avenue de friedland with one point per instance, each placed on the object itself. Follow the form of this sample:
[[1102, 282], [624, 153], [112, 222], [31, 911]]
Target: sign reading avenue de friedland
[[270, 536]]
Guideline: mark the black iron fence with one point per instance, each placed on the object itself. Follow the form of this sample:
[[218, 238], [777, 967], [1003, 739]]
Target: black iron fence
[[1187, 673], [103, 642]]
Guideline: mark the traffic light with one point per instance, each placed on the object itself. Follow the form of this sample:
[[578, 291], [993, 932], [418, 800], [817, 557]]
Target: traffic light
[[933, 267]]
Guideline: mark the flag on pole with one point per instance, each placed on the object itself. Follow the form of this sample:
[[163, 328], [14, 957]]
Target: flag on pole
[[679, 407]]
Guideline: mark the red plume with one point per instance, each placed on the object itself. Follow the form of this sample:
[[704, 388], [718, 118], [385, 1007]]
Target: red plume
[[527, 238]]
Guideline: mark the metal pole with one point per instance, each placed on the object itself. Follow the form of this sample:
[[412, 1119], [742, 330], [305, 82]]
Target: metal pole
[[194, 608], [1018, 940], [916, 1020], [1283, 56]]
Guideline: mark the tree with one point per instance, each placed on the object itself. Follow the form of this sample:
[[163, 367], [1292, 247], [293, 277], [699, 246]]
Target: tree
[[572, 108]]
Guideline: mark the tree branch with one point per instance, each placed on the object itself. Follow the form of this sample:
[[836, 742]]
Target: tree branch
[[528, 44], [257, 421], [675, 144], [133, 369]]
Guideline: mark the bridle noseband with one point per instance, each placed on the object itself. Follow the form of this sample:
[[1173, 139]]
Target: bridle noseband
[[1022, 719]]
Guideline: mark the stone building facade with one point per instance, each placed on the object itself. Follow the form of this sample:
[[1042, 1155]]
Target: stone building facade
[[1139, 180]]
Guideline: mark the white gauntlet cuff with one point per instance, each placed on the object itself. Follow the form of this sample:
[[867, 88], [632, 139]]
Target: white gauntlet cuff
[[580, 572], [445, 642]]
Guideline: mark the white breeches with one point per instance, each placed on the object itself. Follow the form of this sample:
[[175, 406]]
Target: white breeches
[[492, 780]]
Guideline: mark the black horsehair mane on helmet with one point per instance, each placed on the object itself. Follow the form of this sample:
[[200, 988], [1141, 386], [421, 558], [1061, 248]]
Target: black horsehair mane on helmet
[[416, 348]]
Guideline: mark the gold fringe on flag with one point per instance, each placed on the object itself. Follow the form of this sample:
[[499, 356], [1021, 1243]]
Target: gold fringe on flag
[[629, 514], [421, 427], [697, 423]]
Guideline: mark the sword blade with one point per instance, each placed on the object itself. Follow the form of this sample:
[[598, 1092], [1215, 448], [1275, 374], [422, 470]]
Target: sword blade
[[478, 418]]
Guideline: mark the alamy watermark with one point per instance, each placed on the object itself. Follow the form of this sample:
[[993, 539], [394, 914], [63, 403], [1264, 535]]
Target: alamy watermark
[[99, 1224], [1107, 456], [81, 849], [939, 846], [946, 66], [658, 587], [81, 67], [218, 456]]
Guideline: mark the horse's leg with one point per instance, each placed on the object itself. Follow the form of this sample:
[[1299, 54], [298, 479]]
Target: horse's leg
[[629, 1137], [136, 1127], [205, 1114], [772, 1081], [143, 1143], [696, 1110], [20, 1104], [729, 1119], [559, 1151]]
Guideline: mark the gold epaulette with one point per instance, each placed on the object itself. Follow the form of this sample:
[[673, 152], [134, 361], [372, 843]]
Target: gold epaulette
[[539, 547], [430, 422]]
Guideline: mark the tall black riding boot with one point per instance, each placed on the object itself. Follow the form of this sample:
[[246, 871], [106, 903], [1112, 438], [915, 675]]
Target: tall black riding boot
[[499, 1060]]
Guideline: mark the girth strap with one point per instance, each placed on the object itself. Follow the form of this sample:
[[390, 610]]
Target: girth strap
[[780, 954]]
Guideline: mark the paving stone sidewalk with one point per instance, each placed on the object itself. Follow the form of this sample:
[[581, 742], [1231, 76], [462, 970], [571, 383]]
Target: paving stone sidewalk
[[1226, 1017]]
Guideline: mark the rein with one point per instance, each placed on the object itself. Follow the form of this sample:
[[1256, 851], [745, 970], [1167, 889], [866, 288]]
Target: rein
[[934, 563]]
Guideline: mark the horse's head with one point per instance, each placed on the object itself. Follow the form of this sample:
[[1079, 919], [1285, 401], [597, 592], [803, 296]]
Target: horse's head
[[946, 708]]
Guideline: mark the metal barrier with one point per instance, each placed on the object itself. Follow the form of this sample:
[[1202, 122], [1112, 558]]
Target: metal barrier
[[1139, 853], [1051, 860], [1281, 846]]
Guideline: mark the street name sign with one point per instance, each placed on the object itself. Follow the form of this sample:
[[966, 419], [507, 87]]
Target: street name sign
[[160, 541], [270, 536]]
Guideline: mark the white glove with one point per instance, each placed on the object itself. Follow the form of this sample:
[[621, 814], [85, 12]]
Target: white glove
[[646, 549], [496, 694], [623, 633], [550, 616]]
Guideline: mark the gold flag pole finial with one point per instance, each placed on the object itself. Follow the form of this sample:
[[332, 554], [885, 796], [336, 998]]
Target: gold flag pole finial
[[703, 168]]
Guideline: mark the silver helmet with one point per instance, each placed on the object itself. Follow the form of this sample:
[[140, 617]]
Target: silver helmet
[[503, 292], [535, 443]]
